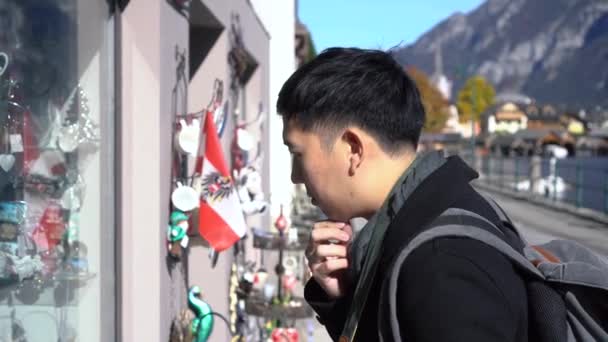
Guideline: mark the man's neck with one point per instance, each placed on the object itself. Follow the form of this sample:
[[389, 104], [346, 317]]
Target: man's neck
[[388, 173]]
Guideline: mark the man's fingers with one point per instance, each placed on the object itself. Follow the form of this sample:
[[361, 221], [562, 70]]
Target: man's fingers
[[327, 267], [328, 224], [325, 235], [331, 251]]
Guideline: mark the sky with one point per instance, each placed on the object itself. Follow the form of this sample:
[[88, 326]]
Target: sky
[[378, 24]]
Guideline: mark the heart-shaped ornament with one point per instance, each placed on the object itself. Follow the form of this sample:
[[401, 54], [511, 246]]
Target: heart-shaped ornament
[[4, 63], [7, 161]]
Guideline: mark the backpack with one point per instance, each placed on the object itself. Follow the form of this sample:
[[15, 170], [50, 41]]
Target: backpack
[[566, 283]]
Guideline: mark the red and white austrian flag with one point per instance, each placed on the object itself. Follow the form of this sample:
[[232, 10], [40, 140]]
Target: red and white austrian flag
[[221, 220]]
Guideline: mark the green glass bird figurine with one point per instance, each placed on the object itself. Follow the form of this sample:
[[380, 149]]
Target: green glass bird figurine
[[202, 324]]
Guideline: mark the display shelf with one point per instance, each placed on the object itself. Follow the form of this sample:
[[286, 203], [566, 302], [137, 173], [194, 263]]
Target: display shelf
[[272, 241], [63, 290], [296, 308]]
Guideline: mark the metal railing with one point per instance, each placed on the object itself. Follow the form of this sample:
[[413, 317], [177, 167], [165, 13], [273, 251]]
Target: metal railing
[[582, 182]]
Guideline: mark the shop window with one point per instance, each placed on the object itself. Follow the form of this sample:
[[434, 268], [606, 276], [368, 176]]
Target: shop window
[[56, 178]]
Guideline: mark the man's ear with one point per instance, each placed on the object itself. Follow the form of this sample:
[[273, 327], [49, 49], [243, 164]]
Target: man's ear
[[354, 149]]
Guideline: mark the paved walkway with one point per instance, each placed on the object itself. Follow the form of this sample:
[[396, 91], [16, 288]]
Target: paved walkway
[[539, 223]]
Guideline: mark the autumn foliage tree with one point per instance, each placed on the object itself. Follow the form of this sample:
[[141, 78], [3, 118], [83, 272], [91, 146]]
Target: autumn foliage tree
[[474, 98], [435, 105]]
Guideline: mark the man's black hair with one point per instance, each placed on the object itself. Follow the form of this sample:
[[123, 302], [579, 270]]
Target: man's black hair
[[350, 86]]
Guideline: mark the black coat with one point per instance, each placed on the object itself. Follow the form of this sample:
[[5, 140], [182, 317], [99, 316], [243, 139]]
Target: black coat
[[450, 289]]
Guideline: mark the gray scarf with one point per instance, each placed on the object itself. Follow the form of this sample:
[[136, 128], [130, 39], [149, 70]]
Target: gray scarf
[[421, 167]]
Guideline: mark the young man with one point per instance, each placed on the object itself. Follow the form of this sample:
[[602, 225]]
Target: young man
[[352, 119]]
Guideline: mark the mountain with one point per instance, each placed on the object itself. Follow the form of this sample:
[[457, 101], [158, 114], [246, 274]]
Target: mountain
[[553, 51]]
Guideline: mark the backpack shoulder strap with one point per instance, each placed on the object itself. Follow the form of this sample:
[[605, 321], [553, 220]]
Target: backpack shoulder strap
[[502, 214], [455, 229]]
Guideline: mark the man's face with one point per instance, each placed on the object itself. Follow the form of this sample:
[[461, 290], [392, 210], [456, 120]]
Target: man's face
[[322, 170]]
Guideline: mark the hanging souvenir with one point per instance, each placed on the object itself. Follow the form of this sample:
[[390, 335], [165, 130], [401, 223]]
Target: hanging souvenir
[[77, 262], [288, 282], [269, 291], [292, 236], [184, 198], [202, 324], [19, 125], [7, 159], [72, 126], [188, 136], [49, 164], [176, 233], [249, 189], [217, 107], [8, 171], [245, 280], [290, 264], [4, 64], [220, 116], [72, 197], [50, 229], [259, 279], [281, 222], [285, 335]]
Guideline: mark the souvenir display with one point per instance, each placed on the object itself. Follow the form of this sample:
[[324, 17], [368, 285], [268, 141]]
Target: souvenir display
[[56, 95], [186, 141], [47, 133]]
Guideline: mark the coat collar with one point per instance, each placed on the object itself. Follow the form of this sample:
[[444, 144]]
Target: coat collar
[[438, 192]]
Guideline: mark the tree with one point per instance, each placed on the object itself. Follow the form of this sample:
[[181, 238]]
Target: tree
[[312, 50], [435, 105], [474, 98]]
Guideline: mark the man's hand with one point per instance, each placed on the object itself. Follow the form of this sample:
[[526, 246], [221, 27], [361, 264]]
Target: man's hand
[[327, 256]]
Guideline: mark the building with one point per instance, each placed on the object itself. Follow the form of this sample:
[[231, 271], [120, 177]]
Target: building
[[506, 118], [97, 94]]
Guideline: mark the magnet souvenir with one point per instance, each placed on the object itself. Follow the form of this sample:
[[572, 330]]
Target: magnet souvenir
[[12, 217]]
